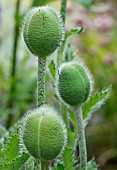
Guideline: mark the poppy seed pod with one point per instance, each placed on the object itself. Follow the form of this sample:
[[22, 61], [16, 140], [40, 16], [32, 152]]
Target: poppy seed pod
[[74, 83], [42, 31], [44, 133]]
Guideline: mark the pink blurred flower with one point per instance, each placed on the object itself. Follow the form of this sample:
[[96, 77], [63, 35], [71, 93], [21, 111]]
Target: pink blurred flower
[[104, 22]]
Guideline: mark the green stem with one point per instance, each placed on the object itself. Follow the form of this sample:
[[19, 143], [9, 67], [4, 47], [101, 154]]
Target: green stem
[[63, 16], [16, 36], [63, 10], [81, 140], [14, 54], [44, 166], [41, 95], [41, 81]]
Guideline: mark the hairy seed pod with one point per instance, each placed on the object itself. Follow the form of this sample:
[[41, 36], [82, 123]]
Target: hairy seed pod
[[44, 133], [74, 83], [42, 31]]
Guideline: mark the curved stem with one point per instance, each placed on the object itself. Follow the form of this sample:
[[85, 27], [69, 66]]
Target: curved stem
[[41, 81], [81, 140]]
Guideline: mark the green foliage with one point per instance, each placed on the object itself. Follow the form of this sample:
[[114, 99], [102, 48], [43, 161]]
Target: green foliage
[[70, 53], [75, 31], [11, 155], [11, 148], [62, 49], [59, 167], [29, 164], [68, 155], [52, 69], [68, 158], [92, 165], [16, 163], [40, 2], [95, 102]]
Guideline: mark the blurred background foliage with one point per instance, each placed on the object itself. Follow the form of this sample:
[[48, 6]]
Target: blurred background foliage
[[97, 46]]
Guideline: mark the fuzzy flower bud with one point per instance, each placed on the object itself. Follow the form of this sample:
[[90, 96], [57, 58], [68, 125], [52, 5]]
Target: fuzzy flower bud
[[74, 83], [44, 133], [42, 31]]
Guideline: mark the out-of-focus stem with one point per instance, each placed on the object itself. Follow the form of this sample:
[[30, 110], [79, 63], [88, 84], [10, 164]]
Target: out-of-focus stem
[[14, 60], [63, 10], [63, 16]]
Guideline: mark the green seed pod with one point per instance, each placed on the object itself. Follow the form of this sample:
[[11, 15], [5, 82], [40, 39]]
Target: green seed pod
[[74, 83], [42, 31], [44, 133]]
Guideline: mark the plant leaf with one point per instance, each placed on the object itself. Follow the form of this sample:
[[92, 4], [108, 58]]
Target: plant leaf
[[52, 69], [95, 102], [74, 31], [16, 163], [11, 148], [29, 165], [92, 165], [67, 157], [69, 52], [68, 153], [62, 48], [60, 167]]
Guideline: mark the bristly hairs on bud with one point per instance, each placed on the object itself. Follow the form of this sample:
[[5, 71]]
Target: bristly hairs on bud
[[76, 61], [32, 11], [32, 111]]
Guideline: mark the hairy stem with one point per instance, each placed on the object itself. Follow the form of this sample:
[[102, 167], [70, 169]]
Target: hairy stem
[[41, 81], [63, 10], [44, 166], [81, 140], [14, 54], [63, 16], [41, 96]]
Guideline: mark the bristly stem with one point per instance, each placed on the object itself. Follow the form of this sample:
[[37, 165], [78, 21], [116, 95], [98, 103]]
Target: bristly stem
[[41, 97], [63, 16], [41, 81], [44, 166], [81, 139], [63, 10]]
